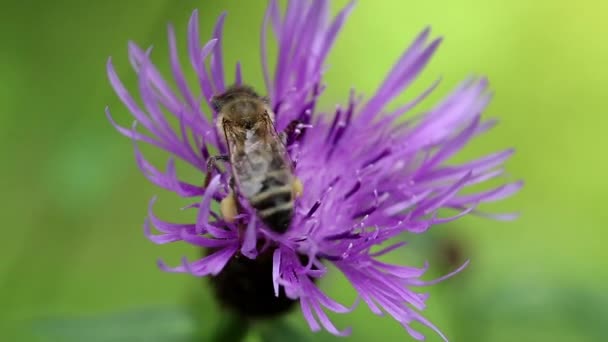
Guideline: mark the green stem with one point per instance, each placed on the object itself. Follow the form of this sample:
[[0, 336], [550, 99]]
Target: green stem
[[232, 328]]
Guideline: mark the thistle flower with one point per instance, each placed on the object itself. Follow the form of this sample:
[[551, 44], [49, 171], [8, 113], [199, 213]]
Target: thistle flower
[[368, 179]]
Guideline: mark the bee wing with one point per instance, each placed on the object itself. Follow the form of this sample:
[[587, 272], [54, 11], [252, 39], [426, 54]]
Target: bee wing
[[272, 134], [275, 141], [234, 140]]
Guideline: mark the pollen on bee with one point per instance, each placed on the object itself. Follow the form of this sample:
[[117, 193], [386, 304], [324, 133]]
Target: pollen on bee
[[228, 208], [298, 187]]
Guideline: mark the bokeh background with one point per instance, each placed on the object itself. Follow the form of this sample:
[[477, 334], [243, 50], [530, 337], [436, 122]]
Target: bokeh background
[[75, 266]]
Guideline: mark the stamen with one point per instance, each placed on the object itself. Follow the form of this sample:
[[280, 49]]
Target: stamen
[[353, 190], [333, 124], [313, 209], [347, 235], [365, 212], [376, 159]]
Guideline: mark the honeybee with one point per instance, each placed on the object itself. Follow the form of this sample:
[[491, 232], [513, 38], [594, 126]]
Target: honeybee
[[262, 171]]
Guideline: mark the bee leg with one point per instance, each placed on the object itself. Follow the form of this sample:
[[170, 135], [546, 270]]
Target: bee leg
[[230, 206], [212, 165], [297, 187], [290, 130]]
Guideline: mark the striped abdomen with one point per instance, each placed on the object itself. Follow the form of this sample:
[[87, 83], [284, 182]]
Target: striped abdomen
[[274, 201]]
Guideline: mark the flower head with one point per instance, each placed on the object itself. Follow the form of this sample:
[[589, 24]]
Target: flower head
[[367, 178]]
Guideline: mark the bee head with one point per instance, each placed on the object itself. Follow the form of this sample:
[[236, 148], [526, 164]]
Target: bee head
[[235, 92], [241, 107]]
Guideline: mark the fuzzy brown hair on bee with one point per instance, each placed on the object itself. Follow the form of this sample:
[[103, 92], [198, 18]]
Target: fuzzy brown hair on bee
[[262, 171]]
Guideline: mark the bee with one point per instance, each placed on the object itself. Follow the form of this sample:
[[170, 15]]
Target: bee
[[262, 171]]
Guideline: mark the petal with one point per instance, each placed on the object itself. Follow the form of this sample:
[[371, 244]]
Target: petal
[[276, 269], [440, 279], [217, 61], [399, 207], [308, 316], [327, 324], [250, 241], [202, 241], [435, 203], [126, 98], [165, 227], [129, 133], [209, 265], [197, 55], [401, 76], [158, 239], [317, 295], [388, 249], [178, 74], [204, 208], [163, 93], [493, 195], [477, 166]]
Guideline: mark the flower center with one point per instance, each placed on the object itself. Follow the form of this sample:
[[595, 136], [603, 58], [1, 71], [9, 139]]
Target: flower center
[[245, 287]]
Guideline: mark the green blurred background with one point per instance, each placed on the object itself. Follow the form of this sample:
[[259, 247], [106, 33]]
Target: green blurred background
[[74, 264]]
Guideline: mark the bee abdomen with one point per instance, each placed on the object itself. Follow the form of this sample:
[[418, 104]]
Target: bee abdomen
[[275, 207], [278, 218]]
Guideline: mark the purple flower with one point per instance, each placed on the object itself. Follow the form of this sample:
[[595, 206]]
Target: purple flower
[[367, 178]]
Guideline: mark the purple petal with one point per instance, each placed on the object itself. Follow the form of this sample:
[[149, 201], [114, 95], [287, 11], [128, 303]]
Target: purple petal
[[440, 279], [327, 324], [202, 241], [276, 269], [166, 227], [404, 72], [249, 244], [388, 249], [493, 195], [126, 98], [308, 316], [217, 63], [129, 133], [209, 265], [203, 214], [158, 239]]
